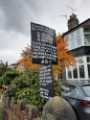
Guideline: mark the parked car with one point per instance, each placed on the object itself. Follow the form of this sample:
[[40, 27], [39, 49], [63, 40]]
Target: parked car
[[79, 98]]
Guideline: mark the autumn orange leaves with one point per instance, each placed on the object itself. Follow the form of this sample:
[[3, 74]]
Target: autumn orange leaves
[[64, 57], [26, 59], [63, 54]]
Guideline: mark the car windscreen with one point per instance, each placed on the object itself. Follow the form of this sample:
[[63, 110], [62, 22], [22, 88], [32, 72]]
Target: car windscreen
[[66, 90], [86, 90], [77, 93]]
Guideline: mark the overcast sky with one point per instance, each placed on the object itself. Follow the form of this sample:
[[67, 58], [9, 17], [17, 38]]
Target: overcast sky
[[16, 15]]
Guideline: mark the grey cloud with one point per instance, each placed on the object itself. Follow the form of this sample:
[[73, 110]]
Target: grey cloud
[[10, 56], [17, 13], [12, 40]]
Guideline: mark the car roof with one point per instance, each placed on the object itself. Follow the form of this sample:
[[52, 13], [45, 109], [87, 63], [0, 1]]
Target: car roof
[[76, 83]]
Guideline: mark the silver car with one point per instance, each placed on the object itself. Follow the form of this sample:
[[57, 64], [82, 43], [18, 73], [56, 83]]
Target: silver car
[[79, 98]]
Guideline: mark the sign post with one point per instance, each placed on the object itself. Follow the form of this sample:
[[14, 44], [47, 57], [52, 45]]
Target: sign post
[[45, 76], [44, 52], [43, 44]]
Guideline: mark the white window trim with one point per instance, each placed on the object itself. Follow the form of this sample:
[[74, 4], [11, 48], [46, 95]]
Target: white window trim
[[77, 66]]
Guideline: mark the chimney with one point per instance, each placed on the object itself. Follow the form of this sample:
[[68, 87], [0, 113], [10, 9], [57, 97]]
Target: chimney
[[72, 22]]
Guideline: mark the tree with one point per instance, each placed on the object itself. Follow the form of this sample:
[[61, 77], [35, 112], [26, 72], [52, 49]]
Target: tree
[[26, 59], [7, 78], [64, 57], [3, 67], [26, 87]]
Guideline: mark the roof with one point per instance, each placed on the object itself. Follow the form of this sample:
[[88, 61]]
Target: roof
[[83, 24], [73, 83]]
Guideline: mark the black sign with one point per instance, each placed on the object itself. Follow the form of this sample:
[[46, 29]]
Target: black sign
[[43, 44], [45, 76]]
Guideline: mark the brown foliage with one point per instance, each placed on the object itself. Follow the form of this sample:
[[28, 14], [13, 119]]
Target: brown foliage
[[64, 57], [63, 53], [26, 59], [27, 63]]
